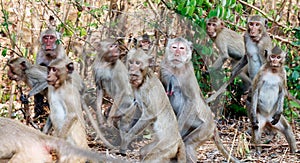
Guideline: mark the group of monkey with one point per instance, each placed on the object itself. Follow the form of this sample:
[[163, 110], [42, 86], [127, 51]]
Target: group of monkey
[[171, 103]]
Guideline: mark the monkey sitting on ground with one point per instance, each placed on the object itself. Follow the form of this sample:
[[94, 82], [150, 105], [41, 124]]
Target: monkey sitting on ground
[[195, 119], [20, 143], [151, 99], [269, 89]]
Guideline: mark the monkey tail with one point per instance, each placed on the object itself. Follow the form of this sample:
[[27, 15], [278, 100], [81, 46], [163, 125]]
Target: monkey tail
[[99, 133], [222, 148], [67, 151]]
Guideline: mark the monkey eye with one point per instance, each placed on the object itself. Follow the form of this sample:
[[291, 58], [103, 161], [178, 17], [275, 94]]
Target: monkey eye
[[138, 62], [174, 47], [130, 62], [182, 48]]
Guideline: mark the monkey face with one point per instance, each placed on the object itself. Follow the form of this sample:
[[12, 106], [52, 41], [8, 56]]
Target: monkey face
[[211, 29], [178, 54], [255, 30], [49, 42], [275, 60], [135, 68]]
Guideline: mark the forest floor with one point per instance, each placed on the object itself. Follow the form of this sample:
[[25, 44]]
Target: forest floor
[[235, 136]]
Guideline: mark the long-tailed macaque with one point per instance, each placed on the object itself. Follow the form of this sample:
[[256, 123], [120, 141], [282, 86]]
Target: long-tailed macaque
[[268, 91], [151, 99], [34, 76], [111, 79], [65, 103], [51, 47], [20, 143], [230, 45], [257, 41], [195, 119]]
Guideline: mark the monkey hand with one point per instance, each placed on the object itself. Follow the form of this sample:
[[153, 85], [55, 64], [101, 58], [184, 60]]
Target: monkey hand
[[254, 124], [24, 99], [276, 118]]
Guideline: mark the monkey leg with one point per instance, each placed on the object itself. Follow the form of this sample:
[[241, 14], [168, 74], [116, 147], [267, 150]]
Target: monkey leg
[[256, 133], [196, 138], [284, 127], [47, 126]]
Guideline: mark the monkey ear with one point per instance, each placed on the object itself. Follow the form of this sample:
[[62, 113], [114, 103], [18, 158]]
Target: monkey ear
[[266, 23], [222, 24], [266, 53], [23, 65], [70, 67]]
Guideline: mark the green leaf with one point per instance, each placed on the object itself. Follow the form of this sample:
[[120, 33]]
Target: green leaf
[[199, 2], [206, 50], [294, 104], [4, 52], [191, 10], [212, 13], [180, 6], [83, 32], [295, 75], [220, 11]]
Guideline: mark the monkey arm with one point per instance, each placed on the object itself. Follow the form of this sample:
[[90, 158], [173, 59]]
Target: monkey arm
[[167, 78], [253, 109], [69, 121], [223, 55], [279, 109], [37, 88], [100, 93]]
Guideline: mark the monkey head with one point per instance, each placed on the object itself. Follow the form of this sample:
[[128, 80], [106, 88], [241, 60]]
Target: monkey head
[[256, 27], [108, 50], [276, 58], [138, 66], [49, 39], [178, 52], [59, 70], [16, 68], [144, 42], [213, 26]]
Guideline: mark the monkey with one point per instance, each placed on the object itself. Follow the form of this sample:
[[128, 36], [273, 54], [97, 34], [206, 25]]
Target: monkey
[[195, 119], [230, 43], [231, 46], [34, 76], [257, 41], [51, 47], [151, 99], [19, 143], [144, 43], [65, 103], [111, 79], [268, 91]]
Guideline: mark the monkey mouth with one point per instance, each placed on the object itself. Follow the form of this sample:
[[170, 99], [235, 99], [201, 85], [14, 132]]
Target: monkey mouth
[[176, 61]]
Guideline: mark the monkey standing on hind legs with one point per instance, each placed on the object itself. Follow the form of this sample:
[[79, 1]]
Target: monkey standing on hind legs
[[195, 119], [166, 145], [111, 78], [268, 91]]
